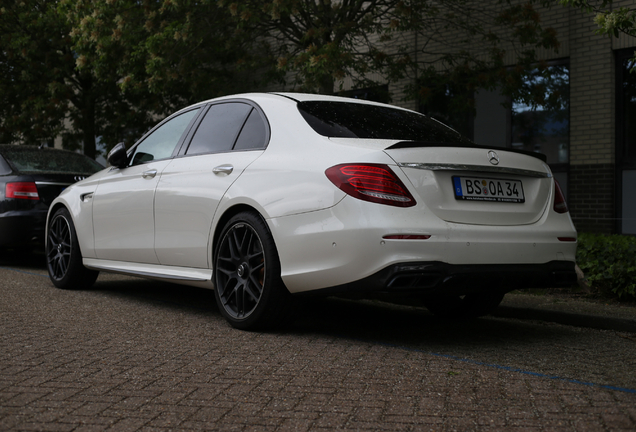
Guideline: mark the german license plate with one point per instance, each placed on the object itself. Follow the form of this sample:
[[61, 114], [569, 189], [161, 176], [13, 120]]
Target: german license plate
[[488, 189]]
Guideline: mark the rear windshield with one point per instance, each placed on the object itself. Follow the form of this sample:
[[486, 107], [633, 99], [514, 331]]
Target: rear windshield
[[354, 120], [34, 160]]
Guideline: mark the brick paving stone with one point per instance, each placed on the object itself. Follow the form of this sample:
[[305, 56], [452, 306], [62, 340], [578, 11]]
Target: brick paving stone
[[141, 356]]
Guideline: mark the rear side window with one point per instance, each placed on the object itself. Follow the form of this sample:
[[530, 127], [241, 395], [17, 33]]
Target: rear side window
[[4, 167], [219, 128], [254, 133], [354, 120]]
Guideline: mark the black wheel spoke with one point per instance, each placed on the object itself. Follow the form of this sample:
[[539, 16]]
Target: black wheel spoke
[[63, 255], [254, 288], [240, 265], [59, 247]]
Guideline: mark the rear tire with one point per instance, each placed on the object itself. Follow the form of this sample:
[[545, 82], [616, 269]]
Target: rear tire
[[247, 284], [468, 306], [63, 255]]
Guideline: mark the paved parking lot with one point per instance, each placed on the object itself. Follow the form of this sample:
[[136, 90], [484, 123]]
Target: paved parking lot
[[137, 355]]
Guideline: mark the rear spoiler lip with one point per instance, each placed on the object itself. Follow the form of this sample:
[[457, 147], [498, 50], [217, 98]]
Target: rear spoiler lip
[[415, 144]]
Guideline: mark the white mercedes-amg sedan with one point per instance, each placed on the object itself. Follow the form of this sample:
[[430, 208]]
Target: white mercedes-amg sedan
[[268, 197]]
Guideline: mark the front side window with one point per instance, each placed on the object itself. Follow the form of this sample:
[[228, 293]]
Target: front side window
[[161, 143], [541, 119]]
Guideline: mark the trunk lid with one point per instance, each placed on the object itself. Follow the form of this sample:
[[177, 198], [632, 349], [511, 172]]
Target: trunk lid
[[51, 185], [476, 185]]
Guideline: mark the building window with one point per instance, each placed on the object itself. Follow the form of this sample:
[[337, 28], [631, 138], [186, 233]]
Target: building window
[[626, 114], [447, 104], [626, 140], [540, 117]]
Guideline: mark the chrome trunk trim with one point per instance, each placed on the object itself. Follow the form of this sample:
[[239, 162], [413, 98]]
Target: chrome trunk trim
[[475, 168]]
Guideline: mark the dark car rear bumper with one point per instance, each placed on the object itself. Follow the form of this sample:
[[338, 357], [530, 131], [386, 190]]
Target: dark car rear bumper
[[431, 278], [21, 228]]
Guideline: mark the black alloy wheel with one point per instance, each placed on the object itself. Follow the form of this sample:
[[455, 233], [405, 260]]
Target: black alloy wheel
[[63, 255], [247, 283]]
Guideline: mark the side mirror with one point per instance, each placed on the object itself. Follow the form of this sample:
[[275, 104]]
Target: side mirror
[[117, 157]]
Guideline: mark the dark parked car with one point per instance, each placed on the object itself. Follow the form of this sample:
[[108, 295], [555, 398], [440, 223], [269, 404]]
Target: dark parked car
[[30, 179]]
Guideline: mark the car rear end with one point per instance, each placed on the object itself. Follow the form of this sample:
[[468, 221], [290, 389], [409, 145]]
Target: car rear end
[[30, 179], [438, 215], [500, 219]]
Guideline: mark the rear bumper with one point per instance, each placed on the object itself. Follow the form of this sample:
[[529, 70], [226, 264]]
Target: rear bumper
[[351, 242], [432, 278], [19, 228]]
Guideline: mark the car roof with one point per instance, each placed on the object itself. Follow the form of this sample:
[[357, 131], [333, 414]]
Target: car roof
[[292, 96]]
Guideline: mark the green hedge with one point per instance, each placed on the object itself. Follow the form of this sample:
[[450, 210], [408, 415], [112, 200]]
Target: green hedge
[[609, 263]]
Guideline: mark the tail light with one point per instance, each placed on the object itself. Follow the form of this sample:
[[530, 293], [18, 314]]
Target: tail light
[[371, 182], [560, 206], [22, 190]]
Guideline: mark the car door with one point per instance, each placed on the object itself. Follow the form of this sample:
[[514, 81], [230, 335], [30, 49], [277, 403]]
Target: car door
[[123, 203], [229, 138]]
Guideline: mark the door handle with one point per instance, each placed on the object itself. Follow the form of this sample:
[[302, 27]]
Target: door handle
[[223, 169], [149, 174]]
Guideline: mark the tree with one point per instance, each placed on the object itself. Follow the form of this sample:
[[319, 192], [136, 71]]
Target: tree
[[162, 55], [172, 52], [610, 21], [106, 70], [43, 91], [33, 65], [109, 67], [319, 43]]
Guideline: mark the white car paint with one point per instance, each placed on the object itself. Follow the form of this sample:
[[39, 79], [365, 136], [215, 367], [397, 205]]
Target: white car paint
[[164, 226]]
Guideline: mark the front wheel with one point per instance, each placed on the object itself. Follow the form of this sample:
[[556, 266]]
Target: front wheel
[[247, 284], [463, 307], [63, 255]]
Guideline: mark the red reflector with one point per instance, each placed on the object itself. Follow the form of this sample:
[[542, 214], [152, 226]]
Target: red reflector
[[22, 190], [560, 206], [407, 237], [371, 182], [567, 239]]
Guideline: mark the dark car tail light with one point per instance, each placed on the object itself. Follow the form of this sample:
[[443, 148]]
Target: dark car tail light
[[560, 206], [22, 190], [371, 182]]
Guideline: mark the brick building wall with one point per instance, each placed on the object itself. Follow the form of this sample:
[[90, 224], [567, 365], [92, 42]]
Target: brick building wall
[[591, 171], [592, 127], [592, 175], [592, 197]]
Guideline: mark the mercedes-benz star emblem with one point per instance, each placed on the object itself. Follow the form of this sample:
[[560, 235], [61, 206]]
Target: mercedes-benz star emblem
[[493, 157]]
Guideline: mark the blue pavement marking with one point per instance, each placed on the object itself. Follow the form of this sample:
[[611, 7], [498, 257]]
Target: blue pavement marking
[[22, 271], [506, 368]]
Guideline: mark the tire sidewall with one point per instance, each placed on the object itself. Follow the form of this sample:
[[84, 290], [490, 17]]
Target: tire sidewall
[[261, 316], [75, 276]]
